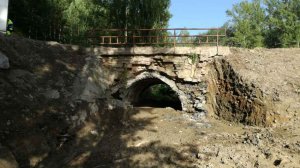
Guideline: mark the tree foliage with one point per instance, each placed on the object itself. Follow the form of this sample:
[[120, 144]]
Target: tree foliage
[[248, 19], [270, 23], [256, 23], [283, 23], [69, 21], [183, 37], [225, 30], [133, 14]]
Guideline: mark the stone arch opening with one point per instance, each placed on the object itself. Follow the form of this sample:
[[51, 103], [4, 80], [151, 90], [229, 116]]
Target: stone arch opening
[[139, 85], [157, 95]]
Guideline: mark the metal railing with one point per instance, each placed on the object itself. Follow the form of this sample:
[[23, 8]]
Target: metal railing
[[165, 37]]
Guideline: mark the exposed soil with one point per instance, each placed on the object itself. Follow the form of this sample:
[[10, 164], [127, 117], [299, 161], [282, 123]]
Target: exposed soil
[[163, 137], [256, 87]]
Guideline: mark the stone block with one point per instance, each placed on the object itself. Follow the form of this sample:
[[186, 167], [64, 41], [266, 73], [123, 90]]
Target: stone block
[[4, 62]]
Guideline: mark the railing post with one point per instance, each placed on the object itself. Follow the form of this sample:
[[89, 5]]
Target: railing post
[[133, 40], [126, 40], [218, 42], [174, 38], [102, 40]]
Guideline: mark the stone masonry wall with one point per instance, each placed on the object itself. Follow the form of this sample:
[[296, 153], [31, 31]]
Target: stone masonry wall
[[188, 76], [184, 66]]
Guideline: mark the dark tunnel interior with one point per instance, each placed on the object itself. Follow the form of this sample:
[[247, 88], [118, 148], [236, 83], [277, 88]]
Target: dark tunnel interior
[[153, 92]]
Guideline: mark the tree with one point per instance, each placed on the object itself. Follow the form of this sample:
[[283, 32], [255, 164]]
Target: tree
[[276, 23], [82, 16], [283, 26], [139, 14], [134, 14], [247, 23], [38, 19], [69, 21], [226, 30], [183, 37]]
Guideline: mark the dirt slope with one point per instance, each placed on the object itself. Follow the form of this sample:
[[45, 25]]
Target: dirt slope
[[276, 72]]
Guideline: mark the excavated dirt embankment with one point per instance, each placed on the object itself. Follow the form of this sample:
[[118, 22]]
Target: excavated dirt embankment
[[234, 99], [256, 87]]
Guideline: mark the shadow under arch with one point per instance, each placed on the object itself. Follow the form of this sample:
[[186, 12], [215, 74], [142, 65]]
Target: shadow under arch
[[134, 87]]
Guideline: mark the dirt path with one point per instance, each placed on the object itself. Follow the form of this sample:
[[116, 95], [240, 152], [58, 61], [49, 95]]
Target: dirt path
[[163, 137]]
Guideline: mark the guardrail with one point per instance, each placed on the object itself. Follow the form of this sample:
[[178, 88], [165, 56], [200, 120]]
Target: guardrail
[[166, 37]]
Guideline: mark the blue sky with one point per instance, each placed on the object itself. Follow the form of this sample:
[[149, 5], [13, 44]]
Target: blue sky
[[199, 13]]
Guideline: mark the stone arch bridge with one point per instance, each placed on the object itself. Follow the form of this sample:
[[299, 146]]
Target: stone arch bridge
[[183, 69]]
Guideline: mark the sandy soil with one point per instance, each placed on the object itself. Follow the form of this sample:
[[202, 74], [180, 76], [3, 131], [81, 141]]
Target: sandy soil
[[276, 72], [163, 137]]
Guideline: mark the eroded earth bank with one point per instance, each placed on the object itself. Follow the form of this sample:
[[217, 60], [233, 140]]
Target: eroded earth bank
[[59, 107]]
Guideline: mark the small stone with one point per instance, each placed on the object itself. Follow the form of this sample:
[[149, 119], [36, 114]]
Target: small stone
[[200, 156], [52, 94], [277, 162], [72, 106], [93, 108], [257, 136], [4, 62], [268, 154], [185, 155], [88, 59], [223, 160], [286, 146], [94, 132]]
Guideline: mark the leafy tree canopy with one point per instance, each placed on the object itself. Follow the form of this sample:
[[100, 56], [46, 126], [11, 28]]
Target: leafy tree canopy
[[69, 21]]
